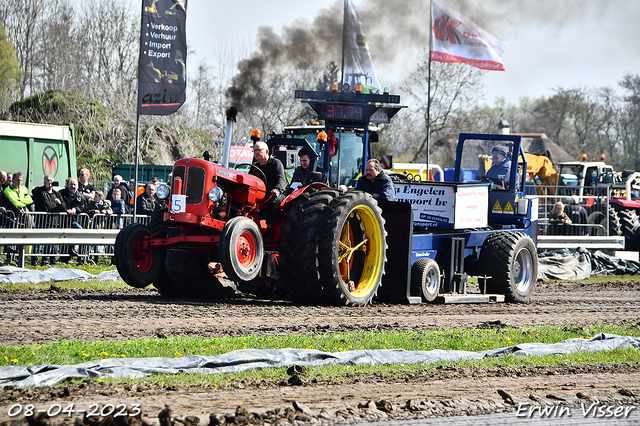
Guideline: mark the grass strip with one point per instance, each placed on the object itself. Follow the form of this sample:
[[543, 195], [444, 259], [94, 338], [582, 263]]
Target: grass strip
[[74, 352]]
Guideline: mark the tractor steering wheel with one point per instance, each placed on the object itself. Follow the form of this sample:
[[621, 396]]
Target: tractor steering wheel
[[261, 176]]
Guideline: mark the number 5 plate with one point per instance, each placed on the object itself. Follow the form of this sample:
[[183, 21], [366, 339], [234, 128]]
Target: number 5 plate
[[178, 203]]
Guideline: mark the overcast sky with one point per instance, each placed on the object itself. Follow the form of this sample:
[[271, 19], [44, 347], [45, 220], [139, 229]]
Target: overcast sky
[[566, 43]]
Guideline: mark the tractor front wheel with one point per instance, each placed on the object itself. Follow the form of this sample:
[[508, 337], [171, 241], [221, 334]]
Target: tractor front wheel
[[137, 265], [241, 249], [352, 249]]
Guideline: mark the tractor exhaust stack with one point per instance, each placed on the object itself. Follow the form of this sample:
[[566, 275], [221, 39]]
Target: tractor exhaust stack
[[231, 118]]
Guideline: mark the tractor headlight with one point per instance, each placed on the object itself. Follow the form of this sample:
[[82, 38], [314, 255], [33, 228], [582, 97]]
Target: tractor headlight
[[163, 191], [215, 194]]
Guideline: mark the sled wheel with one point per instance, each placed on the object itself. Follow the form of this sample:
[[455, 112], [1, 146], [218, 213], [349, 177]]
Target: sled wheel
[[298, 245], [138, 266], [352, 250], [241, 249], [425, 278], [510, 258]]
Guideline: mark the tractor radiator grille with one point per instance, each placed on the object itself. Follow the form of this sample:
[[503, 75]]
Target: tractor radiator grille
[[195, 185]]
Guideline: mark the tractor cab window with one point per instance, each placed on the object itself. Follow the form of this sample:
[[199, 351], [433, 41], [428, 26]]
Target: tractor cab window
[[487, 160], [348, 157], [591, 176], [312, 138], [569, 179]]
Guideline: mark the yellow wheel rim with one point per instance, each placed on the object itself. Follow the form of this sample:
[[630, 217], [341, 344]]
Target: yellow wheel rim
[[361, 233]]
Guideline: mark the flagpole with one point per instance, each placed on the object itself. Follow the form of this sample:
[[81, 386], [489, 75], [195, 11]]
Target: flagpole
[[344, 23], [136, 162], [429, 86]]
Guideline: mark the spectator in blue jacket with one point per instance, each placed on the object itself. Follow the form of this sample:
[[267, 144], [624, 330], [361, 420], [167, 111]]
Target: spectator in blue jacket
[[376, 182]]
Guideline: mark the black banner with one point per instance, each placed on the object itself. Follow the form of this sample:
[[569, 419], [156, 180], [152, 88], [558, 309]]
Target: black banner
[[163, 57]]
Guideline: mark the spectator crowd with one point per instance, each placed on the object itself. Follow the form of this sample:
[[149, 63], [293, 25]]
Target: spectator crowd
[[75, 206]]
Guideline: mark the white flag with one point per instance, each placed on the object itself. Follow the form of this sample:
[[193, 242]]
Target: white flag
[[358, 68], [455, 38]]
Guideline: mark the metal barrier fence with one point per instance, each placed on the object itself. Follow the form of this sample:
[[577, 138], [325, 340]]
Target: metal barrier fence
[[61, 236], [591, 217]]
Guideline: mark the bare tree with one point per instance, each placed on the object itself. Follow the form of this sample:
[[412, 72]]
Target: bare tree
[[454, 88], [108, 38], [630, 122], [57, 45], [23, 20]]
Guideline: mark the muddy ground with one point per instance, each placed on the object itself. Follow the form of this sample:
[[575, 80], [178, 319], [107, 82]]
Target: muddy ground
[[49, 315]]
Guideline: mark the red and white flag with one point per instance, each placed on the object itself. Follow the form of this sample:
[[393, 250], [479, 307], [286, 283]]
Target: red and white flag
[[455, 38]]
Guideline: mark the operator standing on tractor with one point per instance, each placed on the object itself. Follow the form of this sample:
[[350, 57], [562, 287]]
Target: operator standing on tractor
[[376, 182], [501, 168]]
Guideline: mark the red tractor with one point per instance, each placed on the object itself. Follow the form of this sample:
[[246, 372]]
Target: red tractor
[[327, 246]]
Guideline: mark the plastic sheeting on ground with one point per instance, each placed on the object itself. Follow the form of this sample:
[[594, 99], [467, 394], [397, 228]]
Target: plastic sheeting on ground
[[580, 264], [564, 264], [247, 359], [603, 264], [13, 275]]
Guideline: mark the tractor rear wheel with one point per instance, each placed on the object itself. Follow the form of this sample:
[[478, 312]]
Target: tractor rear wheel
[[425, 278], [352, 249], [511, 259], [138, 266], [599, 218], [630, 225], [241, 249], [298, 245]]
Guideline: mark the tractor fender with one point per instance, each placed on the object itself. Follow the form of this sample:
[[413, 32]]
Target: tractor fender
[[295, 194]]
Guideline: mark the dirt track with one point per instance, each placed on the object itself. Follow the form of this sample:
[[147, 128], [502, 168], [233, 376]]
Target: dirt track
[[47, 316]]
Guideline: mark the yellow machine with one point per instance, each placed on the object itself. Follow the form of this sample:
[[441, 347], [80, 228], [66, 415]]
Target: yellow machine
[[417, 172]]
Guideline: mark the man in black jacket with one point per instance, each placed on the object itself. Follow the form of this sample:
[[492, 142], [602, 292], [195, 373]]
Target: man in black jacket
[[276, 182], [146, 202], [376, 182], [47, 200], [118, 182], [76, 204]]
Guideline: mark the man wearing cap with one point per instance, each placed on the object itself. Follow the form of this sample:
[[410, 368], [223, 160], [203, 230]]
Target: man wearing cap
[[500, 171]]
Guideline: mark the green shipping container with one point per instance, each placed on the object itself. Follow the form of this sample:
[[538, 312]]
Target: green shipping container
[[38, 150], [145, 172]]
